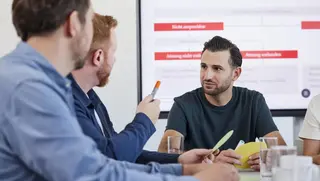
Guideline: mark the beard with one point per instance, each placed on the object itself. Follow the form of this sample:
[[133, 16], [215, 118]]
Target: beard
[[80, 51], [218, 90], [103, 76]]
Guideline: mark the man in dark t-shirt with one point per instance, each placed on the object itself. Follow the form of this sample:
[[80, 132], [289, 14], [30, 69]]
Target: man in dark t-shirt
[[203, 116]]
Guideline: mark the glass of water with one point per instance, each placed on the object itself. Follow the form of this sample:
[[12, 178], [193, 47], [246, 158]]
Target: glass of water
[[175, 144], [266, 143], [283, 162]]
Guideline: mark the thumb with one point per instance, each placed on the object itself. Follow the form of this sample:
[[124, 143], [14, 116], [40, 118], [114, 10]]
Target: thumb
[[215, 153], [202, 152], [147, 99]]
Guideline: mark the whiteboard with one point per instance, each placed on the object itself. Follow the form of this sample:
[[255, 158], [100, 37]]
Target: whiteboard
[[279, 41]]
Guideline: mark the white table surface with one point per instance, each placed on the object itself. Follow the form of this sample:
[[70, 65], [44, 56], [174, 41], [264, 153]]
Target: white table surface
[[249, 176]]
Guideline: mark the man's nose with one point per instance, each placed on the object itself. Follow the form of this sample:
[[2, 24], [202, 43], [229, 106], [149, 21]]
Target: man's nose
[[209, 74]]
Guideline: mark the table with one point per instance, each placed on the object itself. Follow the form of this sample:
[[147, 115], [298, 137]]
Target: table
[[249, 176]]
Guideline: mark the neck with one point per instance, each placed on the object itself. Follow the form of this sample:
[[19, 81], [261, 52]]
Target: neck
[[55, 50], [85, 79], [221, 99]]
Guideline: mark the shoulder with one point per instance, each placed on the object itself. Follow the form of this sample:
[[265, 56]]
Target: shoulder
[[15, 72], [246, 94], [314, 104], [189, 98]]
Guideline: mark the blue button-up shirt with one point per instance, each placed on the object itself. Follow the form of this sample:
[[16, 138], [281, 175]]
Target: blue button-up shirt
[[40, 138]]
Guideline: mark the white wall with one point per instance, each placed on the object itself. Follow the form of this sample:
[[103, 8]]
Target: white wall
[[120, 96]]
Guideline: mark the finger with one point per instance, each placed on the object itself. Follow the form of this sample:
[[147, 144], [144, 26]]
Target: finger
[[215, 153], [230, 160], [211, 157], [147, 98], [254, 162], [255, 167], [231, 153], [156, 102], [202, 152], [254, 156], [207, 161]]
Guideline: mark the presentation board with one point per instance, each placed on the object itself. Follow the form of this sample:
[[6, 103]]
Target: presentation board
[[279, 41]]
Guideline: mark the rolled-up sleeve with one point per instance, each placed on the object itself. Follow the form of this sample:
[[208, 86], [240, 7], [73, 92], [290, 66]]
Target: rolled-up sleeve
[[311, 124], [47, 138]]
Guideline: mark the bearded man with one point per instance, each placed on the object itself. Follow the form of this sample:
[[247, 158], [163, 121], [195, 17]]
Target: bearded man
[[203, 116], [93, 116]]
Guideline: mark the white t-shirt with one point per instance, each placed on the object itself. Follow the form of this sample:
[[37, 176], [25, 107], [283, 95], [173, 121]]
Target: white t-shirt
[[311, 124], [99, 121]]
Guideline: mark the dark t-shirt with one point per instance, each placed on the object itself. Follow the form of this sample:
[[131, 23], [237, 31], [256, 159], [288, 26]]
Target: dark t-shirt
[[204, 124]]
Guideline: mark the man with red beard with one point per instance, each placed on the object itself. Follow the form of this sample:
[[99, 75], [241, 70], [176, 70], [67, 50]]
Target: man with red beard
[[93, 116]]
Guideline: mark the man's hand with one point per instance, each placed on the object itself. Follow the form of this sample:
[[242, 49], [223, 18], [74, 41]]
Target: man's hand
[[196, 156], [150, 108], [254, 161], [228, 156], [218, 172]]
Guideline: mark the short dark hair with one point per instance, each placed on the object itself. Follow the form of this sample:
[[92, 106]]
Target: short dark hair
[[218, 43], [41, 17]]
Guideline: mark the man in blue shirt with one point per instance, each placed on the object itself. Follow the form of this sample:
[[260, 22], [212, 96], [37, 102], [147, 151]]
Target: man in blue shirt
[[93, 116], [40, 138]]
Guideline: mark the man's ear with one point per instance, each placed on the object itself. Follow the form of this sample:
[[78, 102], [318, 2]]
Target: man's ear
[[73, 24], [98, 58], [237, 73]]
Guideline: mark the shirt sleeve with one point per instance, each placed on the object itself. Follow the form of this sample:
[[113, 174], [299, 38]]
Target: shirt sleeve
[[150, 156], [48, 140], [311, 124], [177, 120], [265, 123], [125, 146]]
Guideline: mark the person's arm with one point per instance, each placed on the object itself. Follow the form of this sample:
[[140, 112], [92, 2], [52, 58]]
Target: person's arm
[[310, 132], [149, 156], [48, 140], [125, 146], [176, 126], [312, 148], [265, 127]]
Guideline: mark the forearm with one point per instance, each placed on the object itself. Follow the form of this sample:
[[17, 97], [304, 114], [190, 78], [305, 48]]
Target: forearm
[[149, 156], [316, 159], [152, 167], [129, 143]]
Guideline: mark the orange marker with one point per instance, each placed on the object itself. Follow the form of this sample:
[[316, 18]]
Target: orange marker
[[155, 89]]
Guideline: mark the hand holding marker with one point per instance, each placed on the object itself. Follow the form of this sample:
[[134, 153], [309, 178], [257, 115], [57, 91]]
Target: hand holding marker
[[150, 106]]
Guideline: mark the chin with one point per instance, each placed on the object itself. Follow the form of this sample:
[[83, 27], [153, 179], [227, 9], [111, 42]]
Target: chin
[[103, 83]]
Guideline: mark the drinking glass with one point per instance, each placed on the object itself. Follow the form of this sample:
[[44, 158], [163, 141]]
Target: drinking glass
[[283, 162], [175, 144], [266, 143]]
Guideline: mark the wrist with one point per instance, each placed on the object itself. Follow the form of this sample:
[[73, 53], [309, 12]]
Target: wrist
[[187, 169], [179, 160]]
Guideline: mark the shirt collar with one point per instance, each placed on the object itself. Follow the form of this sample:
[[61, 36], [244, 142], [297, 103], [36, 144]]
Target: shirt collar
[[94, 97], [78, 92], [26, 50]]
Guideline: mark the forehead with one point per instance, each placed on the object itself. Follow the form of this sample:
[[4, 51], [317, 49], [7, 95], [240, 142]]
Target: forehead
[[216, 58], [113, 37], [111, 42]]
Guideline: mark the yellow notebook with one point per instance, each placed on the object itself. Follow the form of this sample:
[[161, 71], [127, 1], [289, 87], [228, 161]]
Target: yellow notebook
[[246, 150]]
